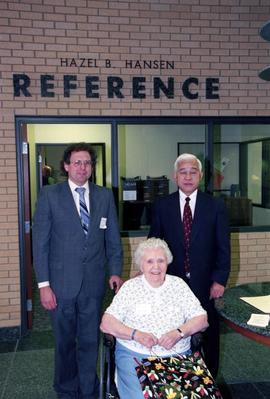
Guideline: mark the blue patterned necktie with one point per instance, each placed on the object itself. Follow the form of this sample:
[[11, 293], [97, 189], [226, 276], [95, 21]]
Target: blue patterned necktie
[[187, 224], [83, 210]]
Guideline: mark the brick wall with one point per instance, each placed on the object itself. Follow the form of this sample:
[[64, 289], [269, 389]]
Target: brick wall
[[217, 38], [129, 246], [250, 258], [9, 245]]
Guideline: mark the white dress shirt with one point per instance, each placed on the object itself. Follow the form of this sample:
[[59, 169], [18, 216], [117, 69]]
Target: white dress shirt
[[76, 195], [192, 202]]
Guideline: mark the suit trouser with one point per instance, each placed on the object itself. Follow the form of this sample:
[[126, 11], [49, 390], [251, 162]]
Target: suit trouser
[[76, 331], [211, 339]]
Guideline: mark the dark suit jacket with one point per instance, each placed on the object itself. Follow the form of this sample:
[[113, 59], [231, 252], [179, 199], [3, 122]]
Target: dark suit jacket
[[62, 254], [210, 240]]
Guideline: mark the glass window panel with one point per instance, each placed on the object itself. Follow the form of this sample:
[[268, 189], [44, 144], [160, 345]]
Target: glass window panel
[[150, 151], [226, 167], [241, 163], [254, 172]]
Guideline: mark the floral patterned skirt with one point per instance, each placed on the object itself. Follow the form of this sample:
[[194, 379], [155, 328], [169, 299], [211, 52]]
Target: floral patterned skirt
[[179, 376]]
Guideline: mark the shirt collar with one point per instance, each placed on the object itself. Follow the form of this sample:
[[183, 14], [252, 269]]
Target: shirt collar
[[192, 196], [73, 186], [155, 289]]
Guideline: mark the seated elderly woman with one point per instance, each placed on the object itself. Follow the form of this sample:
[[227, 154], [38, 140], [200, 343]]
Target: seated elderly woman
[[152, 314]]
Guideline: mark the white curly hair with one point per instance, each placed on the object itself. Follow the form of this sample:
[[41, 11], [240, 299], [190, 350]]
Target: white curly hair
[[152, 243]]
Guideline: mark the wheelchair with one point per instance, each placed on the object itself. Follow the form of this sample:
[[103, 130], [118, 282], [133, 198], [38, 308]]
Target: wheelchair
[[107, 389]]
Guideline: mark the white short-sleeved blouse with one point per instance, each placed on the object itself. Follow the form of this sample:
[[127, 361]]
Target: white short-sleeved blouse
[[155, 310]]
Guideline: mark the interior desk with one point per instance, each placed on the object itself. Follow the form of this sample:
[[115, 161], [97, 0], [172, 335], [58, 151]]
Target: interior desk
[[236, 312]]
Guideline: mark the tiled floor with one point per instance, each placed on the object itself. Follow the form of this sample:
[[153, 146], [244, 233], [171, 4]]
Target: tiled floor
[[244, 367], [26, 365]]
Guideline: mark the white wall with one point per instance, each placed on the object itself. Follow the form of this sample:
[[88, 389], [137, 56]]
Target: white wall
[[150, 150], [261, 216]]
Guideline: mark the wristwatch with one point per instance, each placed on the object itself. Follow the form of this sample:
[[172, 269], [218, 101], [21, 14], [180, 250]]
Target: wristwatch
[[180, 332]]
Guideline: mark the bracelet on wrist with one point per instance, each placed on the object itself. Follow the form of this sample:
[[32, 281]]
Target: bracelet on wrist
[[133, 334], [180, 332]]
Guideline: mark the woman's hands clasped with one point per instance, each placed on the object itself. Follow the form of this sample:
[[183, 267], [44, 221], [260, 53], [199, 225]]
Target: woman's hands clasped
[[167, 340], [146, 339]]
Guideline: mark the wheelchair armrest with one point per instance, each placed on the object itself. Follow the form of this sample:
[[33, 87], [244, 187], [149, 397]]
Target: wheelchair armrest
[[196, 342], [109, 341]]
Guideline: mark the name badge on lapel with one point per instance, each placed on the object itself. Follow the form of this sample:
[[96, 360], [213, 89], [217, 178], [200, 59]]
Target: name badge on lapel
[[103, 223]]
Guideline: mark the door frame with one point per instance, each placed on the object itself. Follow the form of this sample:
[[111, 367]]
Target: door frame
[[24, 205], [24, 210], [21, 122]]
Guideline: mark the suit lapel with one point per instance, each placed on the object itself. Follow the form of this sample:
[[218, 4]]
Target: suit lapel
[[199, 211], [176, 219], [67, 198], [94, 203], [69, 206]]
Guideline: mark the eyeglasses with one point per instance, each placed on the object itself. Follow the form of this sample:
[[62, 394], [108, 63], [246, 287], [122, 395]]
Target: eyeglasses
[[80, 163]]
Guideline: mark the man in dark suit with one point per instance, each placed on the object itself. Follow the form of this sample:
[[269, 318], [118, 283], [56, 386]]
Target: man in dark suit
[[75, 236], [204, 260]]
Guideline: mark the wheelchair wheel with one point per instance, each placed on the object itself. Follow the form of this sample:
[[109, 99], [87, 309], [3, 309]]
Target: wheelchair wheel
[[107, 388]]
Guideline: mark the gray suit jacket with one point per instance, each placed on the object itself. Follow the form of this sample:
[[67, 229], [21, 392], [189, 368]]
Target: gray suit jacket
[[62, 254]]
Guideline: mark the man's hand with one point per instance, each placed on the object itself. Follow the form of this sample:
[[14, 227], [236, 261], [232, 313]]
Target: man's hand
[[47, 298], [169, 339], [115, 283], [216, 290]]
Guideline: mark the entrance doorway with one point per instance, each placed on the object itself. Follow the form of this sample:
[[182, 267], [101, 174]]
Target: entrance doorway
[[48, 158], [38, 145]]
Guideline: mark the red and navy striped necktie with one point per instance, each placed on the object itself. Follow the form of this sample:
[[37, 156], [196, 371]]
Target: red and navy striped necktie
[[187, 224]]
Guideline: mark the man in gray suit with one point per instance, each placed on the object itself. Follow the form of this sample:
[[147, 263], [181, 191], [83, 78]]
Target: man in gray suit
[[75, 236]]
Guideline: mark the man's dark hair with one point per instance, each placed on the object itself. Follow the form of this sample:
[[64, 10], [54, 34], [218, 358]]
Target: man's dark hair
[[76, 147]]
